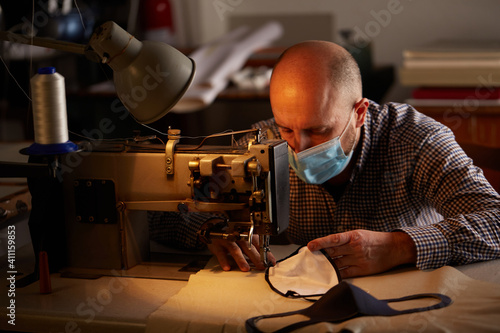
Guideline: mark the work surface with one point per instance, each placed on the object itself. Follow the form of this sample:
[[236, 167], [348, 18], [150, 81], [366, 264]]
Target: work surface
[[217, 301]]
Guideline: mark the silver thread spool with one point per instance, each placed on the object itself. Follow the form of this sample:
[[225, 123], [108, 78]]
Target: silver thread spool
[[49, 107]]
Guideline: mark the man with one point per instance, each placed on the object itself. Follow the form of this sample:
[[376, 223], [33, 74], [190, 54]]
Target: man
[[376, 186]]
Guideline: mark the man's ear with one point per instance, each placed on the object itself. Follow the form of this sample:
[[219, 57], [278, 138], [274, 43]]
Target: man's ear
[[361, 108]]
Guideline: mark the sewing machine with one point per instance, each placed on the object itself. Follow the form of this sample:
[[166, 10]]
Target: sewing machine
[[108, 188], [90, 213]]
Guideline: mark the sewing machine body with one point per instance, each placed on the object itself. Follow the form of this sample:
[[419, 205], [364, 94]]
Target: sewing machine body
[[107, 193]]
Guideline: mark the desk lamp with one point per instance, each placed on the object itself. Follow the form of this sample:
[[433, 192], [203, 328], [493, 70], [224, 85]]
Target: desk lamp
[[150, 77]]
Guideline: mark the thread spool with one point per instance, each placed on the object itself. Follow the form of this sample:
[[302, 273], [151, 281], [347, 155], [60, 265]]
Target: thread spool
[[49, 114], [44, 272]]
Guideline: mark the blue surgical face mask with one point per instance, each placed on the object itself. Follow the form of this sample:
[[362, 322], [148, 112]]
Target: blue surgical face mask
[[320, 163]]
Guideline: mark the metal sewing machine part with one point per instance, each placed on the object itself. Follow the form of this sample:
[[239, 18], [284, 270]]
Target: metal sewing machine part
[[108, 193], [266, 218]]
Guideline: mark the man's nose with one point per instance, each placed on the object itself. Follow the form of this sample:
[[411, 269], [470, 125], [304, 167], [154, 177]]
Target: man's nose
[[301, 142]]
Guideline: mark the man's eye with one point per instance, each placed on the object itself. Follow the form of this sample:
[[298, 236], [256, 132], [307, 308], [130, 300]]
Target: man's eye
[[319, 131], [285, 130]]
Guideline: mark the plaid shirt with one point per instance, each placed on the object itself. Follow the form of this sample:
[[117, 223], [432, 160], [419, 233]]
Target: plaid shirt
[[411, 176]]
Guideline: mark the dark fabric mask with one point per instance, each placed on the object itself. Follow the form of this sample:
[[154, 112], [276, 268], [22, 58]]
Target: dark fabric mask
[[346, 301], [309, 275]]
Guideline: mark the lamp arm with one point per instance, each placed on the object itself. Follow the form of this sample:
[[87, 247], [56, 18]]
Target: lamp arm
[[86, 50], [132, 63]]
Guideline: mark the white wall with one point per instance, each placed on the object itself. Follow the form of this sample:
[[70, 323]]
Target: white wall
[[391, 25]]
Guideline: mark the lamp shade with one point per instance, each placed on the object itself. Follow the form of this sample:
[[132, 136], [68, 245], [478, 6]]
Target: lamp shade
[[150, 77]]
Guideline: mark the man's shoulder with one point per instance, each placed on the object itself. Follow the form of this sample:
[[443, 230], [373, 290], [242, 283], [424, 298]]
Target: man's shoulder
[[402, 121], [269, 127], [397, 112]]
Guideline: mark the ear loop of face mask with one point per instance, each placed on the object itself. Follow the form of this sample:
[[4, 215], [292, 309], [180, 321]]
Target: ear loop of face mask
[[346, 301], [345, 130]]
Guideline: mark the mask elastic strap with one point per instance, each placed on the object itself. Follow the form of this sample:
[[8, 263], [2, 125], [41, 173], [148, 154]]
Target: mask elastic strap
[[345, 129], [347, 125], [370, 307], [444, 301]]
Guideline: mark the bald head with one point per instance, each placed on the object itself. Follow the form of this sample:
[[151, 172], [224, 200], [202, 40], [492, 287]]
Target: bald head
[[320, 64], [315, 86]]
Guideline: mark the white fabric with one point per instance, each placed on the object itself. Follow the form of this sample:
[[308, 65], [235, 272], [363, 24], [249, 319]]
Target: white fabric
[[218, 301], [306, 273]]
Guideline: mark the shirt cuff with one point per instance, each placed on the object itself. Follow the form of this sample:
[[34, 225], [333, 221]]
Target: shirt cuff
[[432, 247]]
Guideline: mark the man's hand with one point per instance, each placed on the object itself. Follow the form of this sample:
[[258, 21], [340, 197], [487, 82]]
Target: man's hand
[[221, 248], [364, 252]]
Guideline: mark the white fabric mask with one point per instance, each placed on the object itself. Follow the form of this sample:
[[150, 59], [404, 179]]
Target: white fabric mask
[[303, 274]]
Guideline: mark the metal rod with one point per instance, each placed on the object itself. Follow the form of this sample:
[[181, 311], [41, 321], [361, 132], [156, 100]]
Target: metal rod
[[20, 169], [43, 42]]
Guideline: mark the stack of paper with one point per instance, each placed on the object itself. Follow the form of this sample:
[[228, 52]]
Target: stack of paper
[[218, 60], [446, 72]]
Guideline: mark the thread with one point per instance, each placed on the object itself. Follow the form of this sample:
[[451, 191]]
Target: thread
[[49, 107]]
